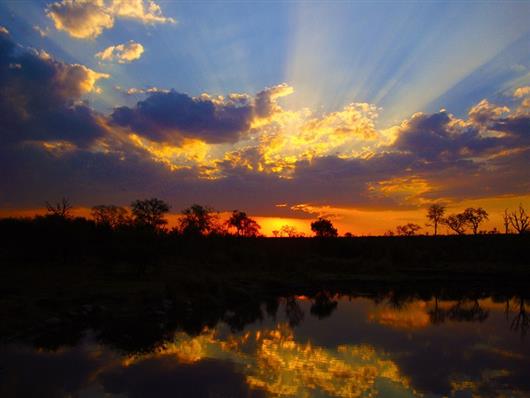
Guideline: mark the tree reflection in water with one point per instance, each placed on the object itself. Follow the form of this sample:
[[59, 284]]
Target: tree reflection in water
[[521, 319]]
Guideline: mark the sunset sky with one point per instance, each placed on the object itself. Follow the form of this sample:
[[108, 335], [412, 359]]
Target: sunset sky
[[362, 112]]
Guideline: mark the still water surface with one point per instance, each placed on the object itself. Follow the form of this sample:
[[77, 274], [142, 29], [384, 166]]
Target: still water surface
[[323, 346]]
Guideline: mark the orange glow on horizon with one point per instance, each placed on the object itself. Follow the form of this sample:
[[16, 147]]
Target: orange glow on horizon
[[360, 222]]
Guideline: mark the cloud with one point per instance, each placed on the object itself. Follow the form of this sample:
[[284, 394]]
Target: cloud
[[146, 11], [141, 91], [485, 111], [169, 117], [265, 102], [122, 53], [42, 32], [516, 127], [86, 19], [242, 150], [82, 19], [40, 97], [440, 136], [278, 142], [264, 136], [522, 92], [165, 375]]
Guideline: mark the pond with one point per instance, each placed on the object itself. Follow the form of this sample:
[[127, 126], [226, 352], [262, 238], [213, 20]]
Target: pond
[[325, 345]]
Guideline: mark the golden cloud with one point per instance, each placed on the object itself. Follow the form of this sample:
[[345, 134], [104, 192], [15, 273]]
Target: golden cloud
[[412, 316], [82, 19], [146, 11], [140, 91], [522, 92], [275, 362], [122, 53], [86, 19], [407, 189], [81, 77], [484, 110], [287, 137], [190, 153]]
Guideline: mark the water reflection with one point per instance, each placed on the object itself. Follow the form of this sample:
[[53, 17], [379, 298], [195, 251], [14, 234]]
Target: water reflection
[[318, 345]]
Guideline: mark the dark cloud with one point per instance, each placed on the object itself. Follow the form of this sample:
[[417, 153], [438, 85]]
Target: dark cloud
[[165, 377], [168, 117], [427, 136], [517, 126], [73, 371], [48, 374], [171, 116], [39, 99], [6, 45], [439, 136]]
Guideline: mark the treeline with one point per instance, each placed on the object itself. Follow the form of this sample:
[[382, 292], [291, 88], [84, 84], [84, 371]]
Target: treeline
[[469, 220], [149, 215]]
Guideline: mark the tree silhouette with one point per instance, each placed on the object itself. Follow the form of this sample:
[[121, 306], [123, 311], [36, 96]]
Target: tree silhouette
[[474, 217], [289, 231], [110, 215], [150, 212], [409, 229], [506, 221], [293, 311], [467, 311], [456, 222], [244, 225], [323, 305], [463, 311], [436, 314], [521, 321], [60, 209], [198, 220], [323, 228], [520, 220], [435, 215]]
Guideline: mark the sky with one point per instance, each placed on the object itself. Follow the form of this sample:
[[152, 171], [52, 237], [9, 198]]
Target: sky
[[364, 112]]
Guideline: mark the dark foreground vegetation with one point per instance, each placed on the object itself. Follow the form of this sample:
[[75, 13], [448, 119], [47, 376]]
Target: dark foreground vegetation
[[49, 241]]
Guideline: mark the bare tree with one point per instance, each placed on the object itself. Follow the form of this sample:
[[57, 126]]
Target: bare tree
[[244, 225], [150, 212], [110, 215], [520, 220], [409, 229], [456, 222], [323, 228], [521, 321], [289, 231], [475, 217], [506, 220], [61, 209], [435, 214]]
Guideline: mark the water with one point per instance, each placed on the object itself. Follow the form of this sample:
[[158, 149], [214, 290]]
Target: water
[[324, 346]]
